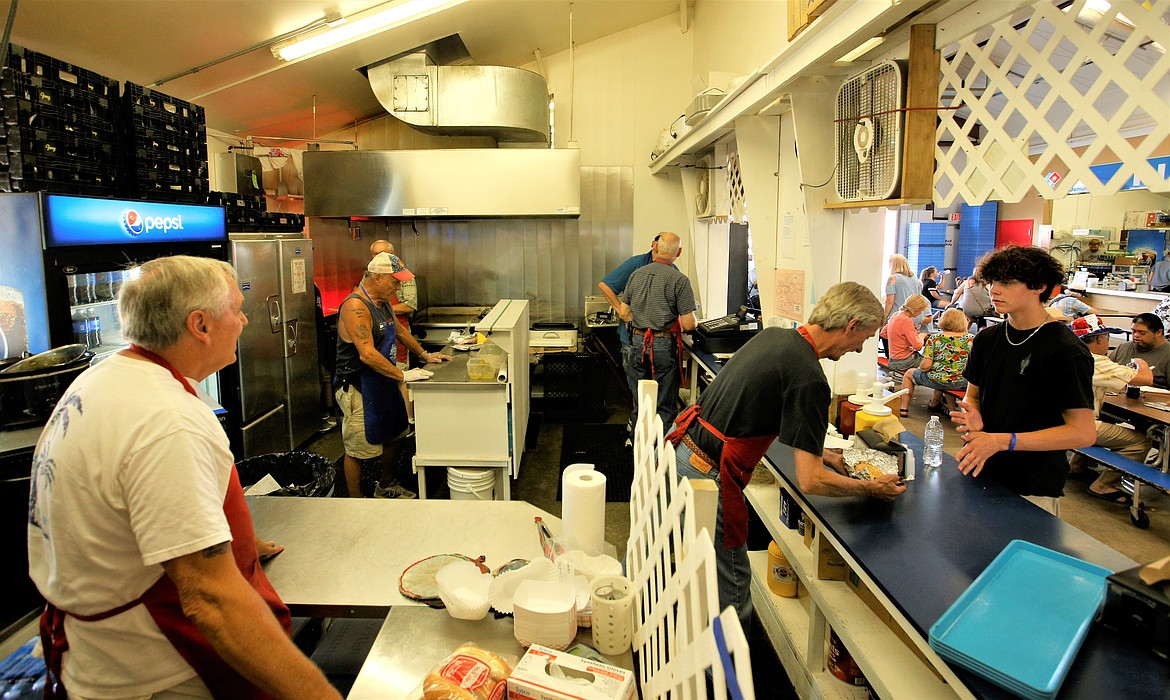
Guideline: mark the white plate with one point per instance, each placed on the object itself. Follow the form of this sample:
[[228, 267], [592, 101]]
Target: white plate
[[503, 587]]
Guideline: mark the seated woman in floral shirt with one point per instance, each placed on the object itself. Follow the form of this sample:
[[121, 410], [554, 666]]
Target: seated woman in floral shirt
[[944, 358]]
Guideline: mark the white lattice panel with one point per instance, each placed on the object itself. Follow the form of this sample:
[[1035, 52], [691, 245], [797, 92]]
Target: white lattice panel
[[672, 566], [735, 185], [1055, 90]]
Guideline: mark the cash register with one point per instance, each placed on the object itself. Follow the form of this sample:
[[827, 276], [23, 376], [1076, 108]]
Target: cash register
[[728, 333]]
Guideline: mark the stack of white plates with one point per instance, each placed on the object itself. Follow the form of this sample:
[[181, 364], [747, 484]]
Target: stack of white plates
[[545, 613]]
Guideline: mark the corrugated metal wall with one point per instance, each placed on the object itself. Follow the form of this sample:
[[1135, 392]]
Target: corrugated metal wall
[[553, 263]]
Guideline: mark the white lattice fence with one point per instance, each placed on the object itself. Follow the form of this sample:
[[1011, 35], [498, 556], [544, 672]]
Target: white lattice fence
[[1035, 87]]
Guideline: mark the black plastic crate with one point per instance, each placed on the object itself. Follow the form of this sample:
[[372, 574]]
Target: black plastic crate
[[51, 92], [574, 386], [159, 105], [44, 66], [42, 142], [71, 180], [20, 112], [153, 143], [21, 165], [142, 123]]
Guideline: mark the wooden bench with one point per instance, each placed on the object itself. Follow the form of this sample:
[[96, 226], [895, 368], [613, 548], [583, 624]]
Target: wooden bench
[[1136, 471]]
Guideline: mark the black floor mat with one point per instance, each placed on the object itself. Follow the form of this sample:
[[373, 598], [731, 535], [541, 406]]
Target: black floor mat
[[603, 446]]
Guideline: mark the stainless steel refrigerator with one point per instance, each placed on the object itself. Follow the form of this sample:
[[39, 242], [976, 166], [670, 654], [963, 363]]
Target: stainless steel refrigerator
[[279, 384]]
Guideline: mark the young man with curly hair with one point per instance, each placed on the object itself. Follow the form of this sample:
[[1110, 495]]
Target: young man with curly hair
[[1029, 383]]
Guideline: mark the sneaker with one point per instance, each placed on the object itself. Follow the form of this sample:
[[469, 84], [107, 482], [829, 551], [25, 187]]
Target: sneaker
[[327, 425], [394, 491]]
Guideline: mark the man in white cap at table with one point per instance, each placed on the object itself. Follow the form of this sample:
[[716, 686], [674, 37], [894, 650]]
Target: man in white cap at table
[[1110, 376]]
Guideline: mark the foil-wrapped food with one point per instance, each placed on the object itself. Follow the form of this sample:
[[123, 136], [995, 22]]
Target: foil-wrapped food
[[866, 464]]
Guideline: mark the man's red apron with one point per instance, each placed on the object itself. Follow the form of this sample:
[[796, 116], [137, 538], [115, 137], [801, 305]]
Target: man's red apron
[[162, 602], [737, 460]]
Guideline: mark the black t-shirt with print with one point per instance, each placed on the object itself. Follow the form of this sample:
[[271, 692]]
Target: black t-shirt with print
[[1027, 387]]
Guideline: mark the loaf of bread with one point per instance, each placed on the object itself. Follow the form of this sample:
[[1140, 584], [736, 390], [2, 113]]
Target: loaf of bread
[[469, 673]]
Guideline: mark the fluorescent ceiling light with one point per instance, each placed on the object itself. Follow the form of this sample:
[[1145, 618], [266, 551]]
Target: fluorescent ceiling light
[[361, 26], [866, 46]]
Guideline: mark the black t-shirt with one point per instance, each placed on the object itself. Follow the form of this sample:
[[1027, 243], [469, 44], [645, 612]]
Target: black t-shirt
[[1025, 388], [773, 384], [928, 288]]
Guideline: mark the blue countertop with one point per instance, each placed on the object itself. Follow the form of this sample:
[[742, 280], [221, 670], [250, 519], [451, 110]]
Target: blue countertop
[[924, 549]]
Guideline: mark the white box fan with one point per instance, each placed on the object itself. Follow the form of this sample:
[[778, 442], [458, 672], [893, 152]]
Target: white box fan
[[711, 196], [869, 121]]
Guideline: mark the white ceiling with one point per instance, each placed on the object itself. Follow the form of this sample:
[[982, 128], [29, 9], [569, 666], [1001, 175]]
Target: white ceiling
[[144, 41]]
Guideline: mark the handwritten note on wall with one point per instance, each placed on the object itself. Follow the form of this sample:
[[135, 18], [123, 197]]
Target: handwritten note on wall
[[790, 294]]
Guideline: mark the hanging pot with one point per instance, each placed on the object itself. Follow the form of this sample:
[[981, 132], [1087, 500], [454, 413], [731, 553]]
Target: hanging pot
[[30, 388]]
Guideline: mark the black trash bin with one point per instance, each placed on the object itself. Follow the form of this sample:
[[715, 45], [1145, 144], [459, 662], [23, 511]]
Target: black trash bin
[[300, 473]]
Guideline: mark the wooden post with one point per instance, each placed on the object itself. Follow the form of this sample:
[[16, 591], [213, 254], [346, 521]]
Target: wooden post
[[919, 138]]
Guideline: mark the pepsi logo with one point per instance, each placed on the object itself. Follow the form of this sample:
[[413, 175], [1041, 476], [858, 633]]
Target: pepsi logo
[[132, 222]]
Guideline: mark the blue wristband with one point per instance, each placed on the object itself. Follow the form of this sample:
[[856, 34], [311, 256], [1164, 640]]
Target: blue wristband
[[1012, 446]]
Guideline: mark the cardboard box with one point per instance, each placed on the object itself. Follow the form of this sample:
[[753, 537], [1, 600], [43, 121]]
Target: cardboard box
[[530, 680], [830, 565]]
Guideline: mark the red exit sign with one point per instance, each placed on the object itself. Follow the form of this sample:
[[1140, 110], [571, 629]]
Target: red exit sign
[[955, 216]]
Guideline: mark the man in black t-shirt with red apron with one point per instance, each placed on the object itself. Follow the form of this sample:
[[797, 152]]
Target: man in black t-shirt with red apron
[[773, 388]]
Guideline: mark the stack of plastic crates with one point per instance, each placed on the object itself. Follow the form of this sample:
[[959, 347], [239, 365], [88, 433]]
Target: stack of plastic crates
[[61, 127], [243, 211], [166, 141]]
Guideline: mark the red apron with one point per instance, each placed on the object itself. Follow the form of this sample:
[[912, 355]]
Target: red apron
[[737, 461], [162, 602]]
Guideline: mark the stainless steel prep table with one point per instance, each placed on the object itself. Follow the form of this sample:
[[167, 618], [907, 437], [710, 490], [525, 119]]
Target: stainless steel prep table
[[413, 640], [462, 422], [343, 557]]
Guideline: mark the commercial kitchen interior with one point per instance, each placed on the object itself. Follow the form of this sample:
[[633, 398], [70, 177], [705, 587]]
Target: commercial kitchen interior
[[682, 114]]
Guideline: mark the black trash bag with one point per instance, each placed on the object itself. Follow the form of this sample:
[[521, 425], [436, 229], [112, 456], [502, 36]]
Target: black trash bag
[[300, 473]]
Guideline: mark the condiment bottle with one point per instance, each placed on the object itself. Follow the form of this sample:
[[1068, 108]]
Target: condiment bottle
[[782, 578]]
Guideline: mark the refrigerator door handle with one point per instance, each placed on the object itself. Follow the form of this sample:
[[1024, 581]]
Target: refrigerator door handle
[[274, 312], [292, 327]]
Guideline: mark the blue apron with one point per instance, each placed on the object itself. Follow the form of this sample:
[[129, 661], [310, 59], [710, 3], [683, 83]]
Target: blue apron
[[382, 400]]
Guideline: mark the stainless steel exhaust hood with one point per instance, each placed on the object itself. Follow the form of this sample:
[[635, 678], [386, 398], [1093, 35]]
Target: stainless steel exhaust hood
[[424, 89], [451, 183]]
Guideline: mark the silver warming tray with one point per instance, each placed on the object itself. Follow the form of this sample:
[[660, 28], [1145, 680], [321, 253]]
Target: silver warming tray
[[432, 325]]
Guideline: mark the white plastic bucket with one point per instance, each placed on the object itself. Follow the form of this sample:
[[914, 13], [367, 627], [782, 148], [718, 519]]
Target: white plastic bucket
[[471, 484]]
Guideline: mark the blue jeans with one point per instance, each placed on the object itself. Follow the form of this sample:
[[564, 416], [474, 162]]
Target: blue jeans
[[732, 565], [664, 370]]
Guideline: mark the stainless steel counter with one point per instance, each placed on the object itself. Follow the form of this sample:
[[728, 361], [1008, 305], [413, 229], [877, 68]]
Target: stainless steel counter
[[453, 371], [413, 640], [343, 557]]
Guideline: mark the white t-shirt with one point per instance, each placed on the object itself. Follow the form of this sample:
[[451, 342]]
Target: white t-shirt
[[130, 471], [1108, 376]]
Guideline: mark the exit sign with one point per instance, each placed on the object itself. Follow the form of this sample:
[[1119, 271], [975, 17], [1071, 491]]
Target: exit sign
[[956, 216]]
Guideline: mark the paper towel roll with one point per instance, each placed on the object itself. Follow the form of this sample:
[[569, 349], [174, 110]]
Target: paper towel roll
[[612, 600], [502, 374], [583, 509]]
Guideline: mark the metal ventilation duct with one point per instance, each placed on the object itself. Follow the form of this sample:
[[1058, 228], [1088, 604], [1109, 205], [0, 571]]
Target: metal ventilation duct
[[509, 104]]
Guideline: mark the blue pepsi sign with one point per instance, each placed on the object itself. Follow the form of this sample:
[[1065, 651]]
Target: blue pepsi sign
[[75, 221]]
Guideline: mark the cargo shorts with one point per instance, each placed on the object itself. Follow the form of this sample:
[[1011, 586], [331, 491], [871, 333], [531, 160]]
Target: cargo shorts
[[353, 424]]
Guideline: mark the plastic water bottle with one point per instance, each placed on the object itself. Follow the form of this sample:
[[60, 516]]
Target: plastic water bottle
[[933, 440]]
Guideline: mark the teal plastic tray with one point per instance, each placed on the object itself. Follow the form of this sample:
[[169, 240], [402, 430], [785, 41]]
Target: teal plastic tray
[[1021, 623]]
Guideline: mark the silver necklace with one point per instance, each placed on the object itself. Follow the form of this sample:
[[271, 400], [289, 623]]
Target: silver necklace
[[1008, 338]]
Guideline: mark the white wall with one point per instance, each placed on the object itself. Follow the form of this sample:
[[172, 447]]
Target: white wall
[[628, 87], [1090, 211]]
